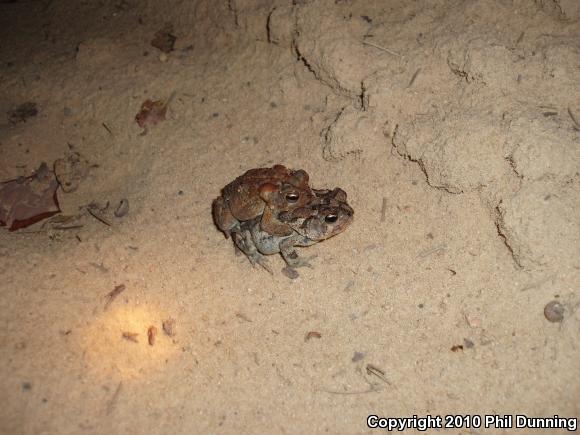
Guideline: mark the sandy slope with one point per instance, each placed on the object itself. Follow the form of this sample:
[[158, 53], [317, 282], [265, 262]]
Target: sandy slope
[[451, 125]]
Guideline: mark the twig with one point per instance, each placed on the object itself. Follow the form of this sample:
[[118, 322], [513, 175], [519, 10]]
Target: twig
[[414, 78], [428, 252], [243, 317], [370, 390], [131, 336], [113, 294], [108, 129], [372, 370], [72, 227], [538, 283], [383, 209], [113, 401], [573, 119], [99, 218], [382, 48]]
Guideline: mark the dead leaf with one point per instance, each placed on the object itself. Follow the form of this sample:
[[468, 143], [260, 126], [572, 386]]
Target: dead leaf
[[27, 200], [152, 112], [164, 40]]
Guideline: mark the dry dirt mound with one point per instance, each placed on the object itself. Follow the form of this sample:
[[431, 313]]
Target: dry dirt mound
[[452, 125]]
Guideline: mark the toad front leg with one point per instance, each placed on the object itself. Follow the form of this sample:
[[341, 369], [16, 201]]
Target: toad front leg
[[288, 251]]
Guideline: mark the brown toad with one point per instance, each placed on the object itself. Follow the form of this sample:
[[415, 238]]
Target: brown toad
[[261, 194], [327, 215]]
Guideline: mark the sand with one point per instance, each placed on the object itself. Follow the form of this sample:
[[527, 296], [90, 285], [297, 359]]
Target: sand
[[454, 129]]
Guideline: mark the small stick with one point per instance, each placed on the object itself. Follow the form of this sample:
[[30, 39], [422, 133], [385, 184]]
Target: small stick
[[372, 370], [113, 294], [381, 48], [113, 401], [131, 336], [428, 252], [99, 218], [312, 334], [383, 209], [72, 227], [348, 393], [108, 129], [243, 317], [413, 78], [573, 119]]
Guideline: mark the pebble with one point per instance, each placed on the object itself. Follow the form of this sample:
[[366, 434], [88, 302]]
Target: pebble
[[290, 272], [122, 208], [554, 311]]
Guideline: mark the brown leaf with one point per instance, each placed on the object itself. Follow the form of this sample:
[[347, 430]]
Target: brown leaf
[[27, 200], [164, 40]]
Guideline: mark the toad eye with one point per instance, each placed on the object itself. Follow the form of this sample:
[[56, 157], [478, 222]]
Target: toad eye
[[330, 218], [292, 197]]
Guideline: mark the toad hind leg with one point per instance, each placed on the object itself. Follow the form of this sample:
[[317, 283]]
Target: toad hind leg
[[245, 244], [223, 217]]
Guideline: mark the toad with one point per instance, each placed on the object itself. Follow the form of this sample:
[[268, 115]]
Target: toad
[[327, 215], [261, 194]]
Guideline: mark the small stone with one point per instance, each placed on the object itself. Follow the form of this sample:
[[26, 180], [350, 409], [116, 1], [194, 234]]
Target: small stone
[[554, 311], [122, 208], [151, 335], [290, 273]]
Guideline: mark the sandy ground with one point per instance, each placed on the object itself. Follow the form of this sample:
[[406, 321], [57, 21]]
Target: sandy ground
[[452, 126]]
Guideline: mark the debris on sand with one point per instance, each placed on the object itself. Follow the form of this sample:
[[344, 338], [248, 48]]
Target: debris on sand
[[375, 371], [152, 113], [98, 212], [290, 272], [71, 170], [27, 200], [151, 335], [554, 312], [169, 327], [130, 336], [312, 334], [123, 208], [164, 40], [22, 112], [112, 295]]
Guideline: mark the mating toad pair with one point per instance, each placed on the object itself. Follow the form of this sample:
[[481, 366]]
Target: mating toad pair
[[273, 210]]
